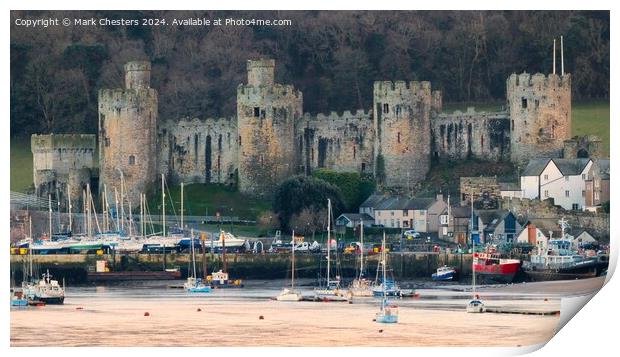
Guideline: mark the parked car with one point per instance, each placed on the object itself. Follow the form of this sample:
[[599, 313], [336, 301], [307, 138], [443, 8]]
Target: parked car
[[411, 234]]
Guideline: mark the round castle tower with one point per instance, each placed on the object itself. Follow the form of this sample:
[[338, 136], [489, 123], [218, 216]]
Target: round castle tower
[[540, 115], [401, 113], [128, 134], [266, 116]]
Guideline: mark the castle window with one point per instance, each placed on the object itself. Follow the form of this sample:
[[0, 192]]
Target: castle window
[[398, 137], [132, 160], [262, 114], [482, 142], [239, 140], [536, 103], [523, 103], [219, 161], [386, 108], [363, 166], [354, 151], [256, 112], [513, 125], [397, 110]]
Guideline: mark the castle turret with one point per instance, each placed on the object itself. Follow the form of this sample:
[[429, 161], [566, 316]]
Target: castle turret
[[402, 125], [266, 116], [128, 133], [540, 114]]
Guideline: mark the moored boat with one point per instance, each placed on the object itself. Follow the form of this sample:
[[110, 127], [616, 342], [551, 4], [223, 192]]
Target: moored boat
[[444, 273], [491, 267]]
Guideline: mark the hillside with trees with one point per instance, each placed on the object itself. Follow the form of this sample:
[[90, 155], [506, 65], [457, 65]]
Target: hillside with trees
[[333, 57]]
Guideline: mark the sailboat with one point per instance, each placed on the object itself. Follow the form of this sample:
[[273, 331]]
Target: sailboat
[[291, 294], [387, 286], [360, 286], [331, 290], [193, 283], [475, 305], [219, 279], [388, 314]]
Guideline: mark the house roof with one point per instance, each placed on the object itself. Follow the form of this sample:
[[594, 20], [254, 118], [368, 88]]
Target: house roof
[[420, 203], [509, 186], [535, 167], [398, 203], [460, 211], [373, 200], [356, 217], [571, 166], [603, 168], [491, 216]]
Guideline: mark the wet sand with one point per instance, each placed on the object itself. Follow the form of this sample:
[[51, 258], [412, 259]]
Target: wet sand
[[101, 318]]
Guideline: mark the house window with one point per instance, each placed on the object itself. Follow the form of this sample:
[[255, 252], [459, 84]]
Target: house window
[[392, 222], [256, 112], [405, 213], [575, 206], [132, 160], [523, 103], [583, 193], [567, 193], [386, 108], [566, 178], [398, 224], [583, 176], [546, 193], [392, 213], [546, 177], [444, 219]]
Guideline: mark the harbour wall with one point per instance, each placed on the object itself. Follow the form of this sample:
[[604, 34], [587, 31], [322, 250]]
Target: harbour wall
[[74, 267]]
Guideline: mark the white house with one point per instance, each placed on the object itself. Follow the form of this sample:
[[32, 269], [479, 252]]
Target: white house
[[564, 180], [534, 236], [419, 214]]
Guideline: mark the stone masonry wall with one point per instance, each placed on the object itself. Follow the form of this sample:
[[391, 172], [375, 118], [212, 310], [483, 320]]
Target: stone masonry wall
[[128, 134], [540, 113], [339, 142], [471, 135], [402, 126], [199, 151]]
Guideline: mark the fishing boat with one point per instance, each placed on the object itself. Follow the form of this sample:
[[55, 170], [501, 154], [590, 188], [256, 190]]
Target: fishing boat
[[331, 290], [18, 298], [291, 294], [48, 290], [193, 283], [444, 273], [557, 260], [475, 305], [388, 314], [492, 268], [360, 286]]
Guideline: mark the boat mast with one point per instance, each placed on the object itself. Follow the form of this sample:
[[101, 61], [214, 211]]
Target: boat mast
[[383, 263], [193, 252], [163, 207], [130, 218], [223, 235], [182, 207], [49, 199], [69, 207], [473, 243], [104, 210], [361, 248], [88, 210], [141, 216], [293, 262], [85, 219], [122, 203], [30, 248], [329, 213]]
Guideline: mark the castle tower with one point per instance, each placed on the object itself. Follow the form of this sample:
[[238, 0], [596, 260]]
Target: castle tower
[[266, 117], [540, 115], [402, 126], [128, 134]]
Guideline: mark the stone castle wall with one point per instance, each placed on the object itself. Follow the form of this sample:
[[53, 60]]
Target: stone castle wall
[[63, 165], [128, 134], [540, 114], [471, 134], [339, 142], [402, 127], [266, 118], [199, 151]]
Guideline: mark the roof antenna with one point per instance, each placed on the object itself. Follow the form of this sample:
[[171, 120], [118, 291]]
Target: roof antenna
[[554, 56], [562, 52]]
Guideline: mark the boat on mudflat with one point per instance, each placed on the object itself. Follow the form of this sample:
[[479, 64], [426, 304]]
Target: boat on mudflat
[[492, 268], [444, 273]]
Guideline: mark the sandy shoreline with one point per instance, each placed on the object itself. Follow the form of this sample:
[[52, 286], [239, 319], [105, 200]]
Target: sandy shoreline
[[88, 321]]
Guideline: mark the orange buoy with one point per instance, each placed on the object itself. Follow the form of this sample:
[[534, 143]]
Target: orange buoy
[[147, 314], [79, 308], [546, 299], [380, 331], [261, 317], [198, 309]]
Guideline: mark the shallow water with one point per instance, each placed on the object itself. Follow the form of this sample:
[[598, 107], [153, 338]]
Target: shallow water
[[114, 315]]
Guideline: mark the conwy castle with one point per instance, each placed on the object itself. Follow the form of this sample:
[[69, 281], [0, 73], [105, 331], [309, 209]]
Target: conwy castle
[[270, 138]]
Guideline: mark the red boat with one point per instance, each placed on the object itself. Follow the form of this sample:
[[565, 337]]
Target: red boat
[[492, 268]]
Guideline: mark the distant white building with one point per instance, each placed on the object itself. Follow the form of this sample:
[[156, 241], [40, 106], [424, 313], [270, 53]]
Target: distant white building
[[564, 180], [419, 214]]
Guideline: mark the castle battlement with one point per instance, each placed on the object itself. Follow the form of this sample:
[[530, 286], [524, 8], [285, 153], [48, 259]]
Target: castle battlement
[[197, 122], [262, 91], [46, 142], [389, 87], [129, 97], [359, 114], [471, 112], [538, 80]]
